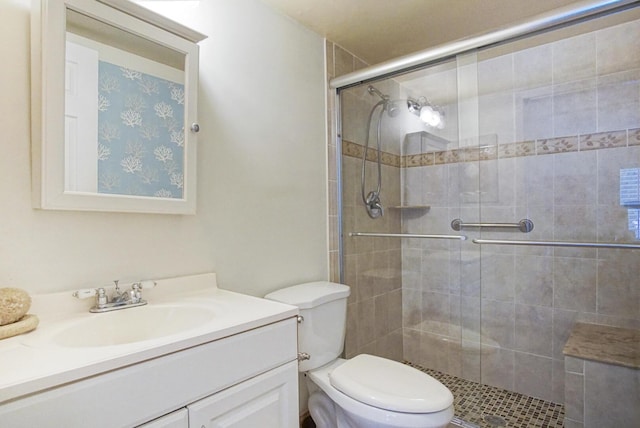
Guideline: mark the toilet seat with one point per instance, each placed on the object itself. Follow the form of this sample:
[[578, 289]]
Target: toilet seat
[[371, 415], [390, 385]]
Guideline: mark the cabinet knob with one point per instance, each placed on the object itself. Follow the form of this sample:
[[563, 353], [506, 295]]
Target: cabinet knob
[[195, 127]]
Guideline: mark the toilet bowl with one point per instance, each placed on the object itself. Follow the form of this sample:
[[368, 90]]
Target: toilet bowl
[[364, 391]]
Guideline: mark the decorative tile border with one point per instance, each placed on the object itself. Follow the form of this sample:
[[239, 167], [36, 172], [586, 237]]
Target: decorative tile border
[[605, 140], [575, 143], [634, 137], [557, 145], [356, 150]]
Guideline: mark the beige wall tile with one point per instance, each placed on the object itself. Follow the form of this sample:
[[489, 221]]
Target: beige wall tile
[[435, 351], [411, 344], [498, 323], [495, 75], [574, 365], [575, 108], [557, 389], [574, 58], [533, 67], [329, 59], [618, 291], [574, 396], [575, 284], [613, 47], [343, 61], [366, 322], [498, 277], [496, 114], [435, 313], [534, 113], [534, 280], [610, 395], [533, 375], [534, 177], [497, 367], [619, 101], [534, 329], [574, 178]]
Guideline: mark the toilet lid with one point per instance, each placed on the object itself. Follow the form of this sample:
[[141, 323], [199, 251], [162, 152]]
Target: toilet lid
[[390, 385]]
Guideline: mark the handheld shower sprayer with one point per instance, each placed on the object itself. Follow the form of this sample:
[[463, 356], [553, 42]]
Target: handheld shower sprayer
[[371, 199]]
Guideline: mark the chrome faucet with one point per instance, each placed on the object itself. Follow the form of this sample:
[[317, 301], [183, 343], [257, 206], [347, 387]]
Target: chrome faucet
[[119, 299], [118, 296]]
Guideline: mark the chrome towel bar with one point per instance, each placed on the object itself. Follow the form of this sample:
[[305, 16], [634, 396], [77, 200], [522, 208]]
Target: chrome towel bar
[[502, 241], [524, 225], [407, 235], [558, 244]]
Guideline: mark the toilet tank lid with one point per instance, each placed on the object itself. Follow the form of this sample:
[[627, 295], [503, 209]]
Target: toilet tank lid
[[311, 294]]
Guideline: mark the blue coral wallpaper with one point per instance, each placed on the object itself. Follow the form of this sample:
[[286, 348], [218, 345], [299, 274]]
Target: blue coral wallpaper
[[140, 133]]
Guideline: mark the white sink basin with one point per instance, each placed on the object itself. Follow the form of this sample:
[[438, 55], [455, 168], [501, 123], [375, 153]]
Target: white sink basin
[[124, 326]]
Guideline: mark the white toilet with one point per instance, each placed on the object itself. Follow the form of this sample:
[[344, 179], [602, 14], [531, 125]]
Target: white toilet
[[365, 391]]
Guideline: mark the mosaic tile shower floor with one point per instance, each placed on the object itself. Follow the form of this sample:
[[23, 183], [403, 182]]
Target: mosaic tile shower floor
[[475, 404]]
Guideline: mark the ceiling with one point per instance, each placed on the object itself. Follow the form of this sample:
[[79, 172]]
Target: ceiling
[[379, 30]]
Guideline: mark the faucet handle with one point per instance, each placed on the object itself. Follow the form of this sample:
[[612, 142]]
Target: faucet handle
[[101, 296], [85, 293], [147, 284]]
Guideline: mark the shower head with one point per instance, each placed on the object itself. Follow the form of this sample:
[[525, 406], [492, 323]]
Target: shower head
[[391, 107]]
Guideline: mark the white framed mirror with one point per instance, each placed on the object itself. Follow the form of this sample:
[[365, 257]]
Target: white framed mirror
[[114, 104]]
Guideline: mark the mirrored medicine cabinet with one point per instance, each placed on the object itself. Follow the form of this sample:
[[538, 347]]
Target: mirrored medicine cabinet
[[114, 98]]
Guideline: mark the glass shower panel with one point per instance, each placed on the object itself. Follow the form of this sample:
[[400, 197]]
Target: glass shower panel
[[406, 292], [372, 266], [432, 267], [560, 114]]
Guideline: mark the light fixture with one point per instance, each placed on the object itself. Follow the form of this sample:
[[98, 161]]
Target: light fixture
[[430, 114]]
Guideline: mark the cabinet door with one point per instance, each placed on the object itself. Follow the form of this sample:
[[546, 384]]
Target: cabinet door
[[269, 400], [177, 419]]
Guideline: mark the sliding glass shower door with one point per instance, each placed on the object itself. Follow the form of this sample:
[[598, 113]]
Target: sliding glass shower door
[[510, 192]]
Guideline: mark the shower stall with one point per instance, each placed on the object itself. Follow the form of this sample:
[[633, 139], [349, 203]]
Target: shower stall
[[511, 217]]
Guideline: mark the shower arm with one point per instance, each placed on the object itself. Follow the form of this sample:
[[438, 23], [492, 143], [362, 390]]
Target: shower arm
[[374, 90]]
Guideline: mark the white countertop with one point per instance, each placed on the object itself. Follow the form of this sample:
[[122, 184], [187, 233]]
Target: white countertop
[[29, 364]]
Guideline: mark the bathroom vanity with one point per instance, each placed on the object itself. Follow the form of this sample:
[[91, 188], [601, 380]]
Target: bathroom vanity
[[232, 361]]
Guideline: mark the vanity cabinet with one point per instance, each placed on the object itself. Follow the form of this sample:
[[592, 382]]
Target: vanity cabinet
[[247, 379], [268, 400]]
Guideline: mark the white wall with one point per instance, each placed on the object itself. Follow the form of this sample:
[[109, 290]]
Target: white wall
[[261, 219]]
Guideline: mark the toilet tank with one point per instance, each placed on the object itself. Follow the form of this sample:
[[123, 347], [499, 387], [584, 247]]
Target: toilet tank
[[323, 307]]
